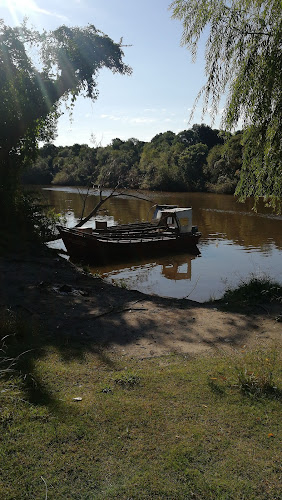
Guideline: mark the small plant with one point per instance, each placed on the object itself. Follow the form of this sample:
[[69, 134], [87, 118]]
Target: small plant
[[107, 390], [256, 373], [121, 283], [86, 269], [96, 275], [127, 379], [16, 334]]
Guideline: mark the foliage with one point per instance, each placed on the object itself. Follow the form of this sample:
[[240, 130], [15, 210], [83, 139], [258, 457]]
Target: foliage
[[223, 166], [158, 170], [191, 162], [30, 223], [168, 162], [254, 291], [175, 162], [243, 62], [10, 325], [30, 94], [118, 163]]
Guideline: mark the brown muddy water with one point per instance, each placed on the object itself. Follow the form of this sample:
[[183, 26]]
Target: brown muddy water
[[236, 242]]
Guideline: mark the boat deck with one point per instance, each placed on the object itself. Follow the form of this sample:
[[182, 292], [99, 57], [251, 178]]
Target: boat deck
[[126, 235]]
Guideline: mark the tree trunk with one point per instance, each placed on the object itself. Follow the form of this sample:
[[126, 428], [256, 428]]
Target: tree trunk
[[8, 181]]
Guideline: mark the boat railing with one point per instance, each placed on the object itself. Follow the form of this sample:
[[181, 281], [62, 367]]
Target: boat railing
[[133, 238]]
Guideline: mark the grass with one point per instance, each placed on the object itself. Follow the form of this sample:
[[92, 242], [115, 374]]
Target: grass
[[121, 283], [253, 290], [256, 373], [168, 427]]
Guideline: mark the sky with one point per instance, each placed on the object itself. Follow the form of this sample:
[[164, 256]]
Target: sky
[[161, 91]]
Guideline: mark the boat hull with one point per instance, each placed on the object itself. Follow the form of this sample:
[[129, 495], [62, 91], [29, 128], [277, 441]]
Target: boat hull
[[100, 249]]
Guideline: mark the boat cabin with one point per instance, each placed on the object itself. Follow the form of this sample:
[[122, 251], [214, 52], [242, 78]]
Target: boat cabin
[[176, 218]]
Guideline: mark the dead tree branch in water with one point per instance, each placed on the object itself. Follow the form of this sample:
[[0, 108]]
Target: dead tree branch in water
[[114, 193], [84, 199]]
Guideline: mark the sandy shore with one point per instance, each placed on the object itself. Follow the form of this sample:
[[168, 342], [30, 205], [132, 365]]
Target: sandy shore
[[75, 305]]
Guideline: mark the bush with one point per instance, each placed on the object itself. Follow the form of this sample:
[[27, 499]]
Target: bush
[[27, 225], [253, 291]]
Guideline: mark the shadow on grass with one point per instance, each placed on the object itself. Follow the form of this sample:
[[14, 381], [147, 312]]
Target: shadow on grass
[[54, 305], [267, 393]]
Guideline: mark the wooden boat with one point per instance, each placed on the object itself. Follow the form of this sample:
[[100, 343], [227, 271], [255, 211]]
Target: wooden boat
[[169, 231]]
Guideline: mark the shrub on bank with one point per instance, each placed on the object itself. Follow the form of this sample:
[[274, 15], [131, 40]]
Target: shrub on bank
[[252, 291]]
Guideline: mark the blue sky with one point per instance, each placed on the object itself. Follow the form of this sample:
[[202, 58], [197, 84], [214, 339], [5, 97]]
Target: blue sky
[[161, 91]]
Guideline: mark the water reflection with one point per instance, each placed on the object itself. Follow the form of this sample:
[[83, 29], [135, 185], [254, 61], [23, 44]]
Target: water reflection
[[169, 276], [235, 242], [175, 271]]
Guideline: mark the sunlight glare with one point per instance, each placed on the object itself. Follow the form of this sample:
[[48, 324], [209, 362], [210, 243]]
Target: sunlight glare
[[21, 8]]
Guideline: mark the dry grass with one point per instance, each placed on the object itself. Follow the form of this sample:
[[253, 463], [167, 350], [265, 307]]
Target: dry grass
[[169, 427]]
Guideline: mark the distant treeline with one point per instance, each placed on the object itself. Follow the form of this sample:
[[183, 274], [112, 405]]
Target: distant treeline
[[198, 159]]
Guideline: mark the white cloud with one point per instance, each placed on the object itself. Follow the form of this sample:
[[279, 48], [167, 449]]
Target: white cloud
[[142, 120], [111, 117], [128, 119]]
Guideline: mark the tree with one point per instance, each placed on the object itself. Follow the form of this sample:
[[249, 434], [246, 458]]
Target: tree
[[244, 62], [157, 165], [223, 166], [199, 134], [191, 163], [30, 95], [206, 135]]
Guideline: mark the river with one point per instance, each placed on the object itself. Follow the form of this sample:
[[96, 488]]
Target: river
[[236, 242]]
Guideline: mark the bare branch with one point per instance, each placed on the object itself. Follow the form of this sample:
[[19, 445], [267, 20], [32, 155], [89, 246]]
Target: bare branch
[[103, 200]]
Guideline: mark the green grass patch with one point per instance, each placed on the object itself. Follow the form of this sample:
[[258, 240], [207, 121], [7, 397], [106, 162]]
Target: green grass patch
[[254, 290], [108, 427], [256, 373]]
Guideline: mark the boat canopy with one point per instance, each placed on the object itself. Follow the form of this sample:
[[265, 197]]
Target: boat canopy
[[181, 217]]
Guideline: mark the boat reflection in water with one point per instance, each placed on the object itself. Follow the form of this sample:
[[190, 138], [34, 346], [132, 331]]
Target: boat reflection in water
[[180, 268], [154, 275]]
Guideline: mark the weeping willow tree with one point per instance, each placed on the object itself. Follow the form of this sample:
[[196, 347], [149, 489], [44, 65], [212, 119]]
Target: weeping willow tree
[[243, 64], [37, 72]]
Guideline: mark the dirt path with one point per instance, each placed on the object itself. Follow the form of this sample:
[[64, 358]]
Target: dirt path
[[72, 304]]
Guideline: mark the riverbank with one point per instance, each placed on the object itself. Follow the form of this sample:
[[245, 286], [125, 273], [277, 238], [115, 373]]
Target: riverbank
[[75, 306], [118, 395]]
